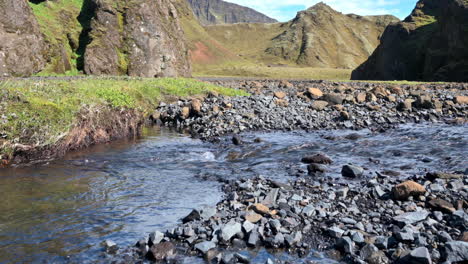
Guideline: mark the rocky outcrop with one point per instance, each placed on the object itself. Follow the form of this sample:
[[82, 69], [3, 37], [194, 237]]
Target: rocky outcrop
[[211, 12], [22, 47], [138, 38], [322, 37], [430, 45]]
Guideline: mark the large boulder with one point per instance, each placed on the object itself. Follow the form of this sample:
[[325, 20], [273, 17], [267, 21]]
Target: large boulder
[[22, 46], [431, 45], [139, 38]]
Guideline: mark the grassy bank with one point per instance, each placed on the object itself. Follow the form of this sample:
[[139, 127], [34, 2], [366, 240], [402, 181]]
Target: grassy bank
[[41, 113], [281, 72]]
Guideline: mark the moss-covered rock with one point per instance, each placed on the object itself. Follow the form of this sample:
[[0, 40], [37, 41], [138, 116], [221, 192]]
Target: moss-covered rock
[[22, 47]]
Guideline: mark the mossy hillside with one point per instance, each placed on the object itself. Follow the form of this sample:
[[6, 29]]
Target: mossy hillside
[[40, 113], [61, 28]]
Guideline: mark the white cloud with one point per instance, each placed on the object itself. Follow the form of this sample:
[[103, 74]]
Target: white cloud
[[283, 10]]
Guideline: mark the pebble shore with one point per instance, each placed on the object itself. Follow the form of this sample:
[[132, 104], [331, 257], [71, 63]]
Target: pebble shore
[[374, 218]]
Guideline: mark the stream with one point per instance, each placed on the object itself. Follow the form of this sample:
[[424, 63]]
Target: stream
[[62, 210]]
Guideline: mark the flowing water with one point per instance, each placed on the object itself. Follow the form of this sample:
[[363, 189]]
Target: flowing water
[[61, 211]]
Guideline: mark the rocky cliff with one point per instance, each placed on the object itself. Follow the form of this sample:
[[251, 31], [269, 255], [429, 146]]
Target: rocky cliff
[[22, 47], [322, 37], [430, 45], [138, 38], [98, 37], [211, 12]]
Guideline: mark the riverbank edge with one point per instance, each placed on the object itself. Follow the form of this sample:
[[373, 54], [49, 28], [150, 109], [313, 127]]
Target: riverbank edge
[[120, 112]]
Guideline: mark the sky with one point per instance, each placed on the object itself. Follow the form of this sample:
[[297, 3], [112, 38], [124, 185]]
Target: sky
[[285, 10]]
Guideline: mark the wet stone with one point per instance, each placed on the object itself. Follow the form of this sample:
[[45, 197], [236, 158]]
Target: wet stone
[[230, 230], [205, 246], [110, 246], [161, 251], [352, 171], [155, 238]]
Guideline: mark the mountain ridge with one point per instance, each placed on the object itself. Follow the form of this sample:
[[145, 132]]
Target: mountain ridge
[[323, 37], [211, 12]]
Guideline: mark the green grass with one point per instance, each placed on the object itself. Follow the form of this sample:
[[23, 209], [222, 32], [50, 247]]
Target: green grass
[[40, 113], [262, 71]]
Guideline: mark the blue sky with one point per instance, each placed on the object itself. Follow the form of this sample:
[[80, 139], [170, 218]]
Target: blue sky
[[285, 10]]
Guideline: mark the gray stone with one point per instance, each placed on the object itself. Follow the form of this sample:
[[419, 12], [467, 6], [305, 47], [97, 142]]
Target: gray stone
[[444, 237], [275, 225], [156, 237], [270, 199], [193, 216], [455, 251], [342, 193], [205, 246], [248, 226], [229, 230], [381, 242], [367, 251], [411, 218], [227, 258], [349, 221], [242, 258], [346, 245], [358, 237], [207, 212], [110, 246], [352, 171], [254, 239], [278, 240], [378, 192], [420, 255], [296, 197], [309, 210], [405, 236], [335, 232]]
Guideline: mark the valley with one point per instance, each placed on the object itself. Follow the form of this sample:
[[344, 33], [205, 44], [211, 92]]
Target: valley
[[204, 131]]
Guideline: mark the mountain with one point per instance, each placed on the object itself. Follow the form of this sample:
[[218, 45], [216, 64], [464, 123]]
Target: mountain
[[97, 37], [324, 38], [429, 45], [210, 12]]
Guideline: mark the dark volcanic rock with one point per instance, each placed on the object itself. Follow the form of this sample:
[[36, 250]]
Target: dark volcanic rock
[[149, 43], [161, 251], [431, 44], [22, 47], [211, 12], [352, 171]]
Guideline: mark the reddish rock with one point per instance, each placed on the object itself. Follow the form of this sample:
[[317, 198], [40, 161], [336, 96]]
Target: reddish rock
[[406, 189]]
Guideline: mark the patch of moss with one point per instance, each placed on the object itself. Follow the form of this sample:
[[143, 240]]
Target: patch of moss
[[425, 20]]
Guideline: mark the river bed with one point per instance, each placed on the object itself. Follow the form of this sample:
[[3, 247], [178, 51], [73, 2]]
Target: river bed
[[61, 211]]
